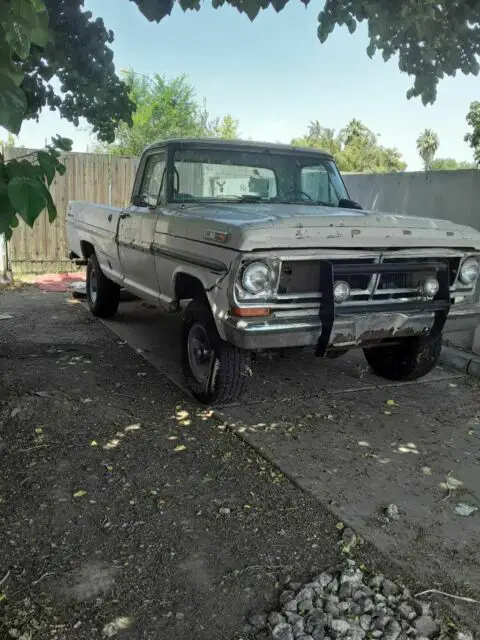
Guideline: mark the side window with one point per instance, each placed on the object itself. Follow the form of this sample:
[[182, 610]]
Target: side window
[[153, 181], [315, 182]]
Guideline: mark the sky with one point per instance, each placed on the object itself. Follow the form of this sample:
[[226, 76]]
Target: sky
[[274, 76]]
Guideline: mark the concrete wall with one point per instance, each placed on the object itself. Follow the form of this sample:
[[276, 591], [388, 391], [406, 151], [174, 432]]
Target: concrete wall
[[448, 195]]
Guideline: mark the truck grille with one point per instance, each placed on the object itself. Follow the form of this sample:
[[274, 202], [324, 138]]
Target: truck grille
[[303, 277]]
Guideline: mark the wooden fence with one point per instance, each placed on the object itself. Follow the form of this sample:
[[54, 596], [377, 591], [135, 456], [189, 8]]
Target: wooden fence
[[90, 176]]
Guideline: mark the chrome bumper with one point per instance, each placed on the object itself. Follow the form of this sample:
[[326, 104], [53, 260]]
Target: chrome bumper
[[347, 332]]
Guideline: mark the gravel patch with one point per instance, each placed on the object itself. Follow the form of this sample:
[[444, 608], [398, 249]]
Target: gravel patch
[[352, 604]]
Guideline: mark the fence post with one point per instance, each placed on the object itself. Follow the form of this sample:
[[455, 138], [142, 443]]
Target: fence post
[[3, 260]]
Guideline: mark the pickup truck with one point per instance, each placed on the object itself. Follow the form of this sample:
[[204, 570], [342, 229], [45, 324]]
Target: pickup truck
[[263, 246]]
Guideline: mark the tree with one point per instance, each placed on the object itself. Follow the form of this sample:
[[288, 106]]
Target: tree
[[165, 109], [473, 137], [40, 40], [225, 128], [9, 143], [355, 132], [431, 38], [355, 148], [427, 146], [449, 164]]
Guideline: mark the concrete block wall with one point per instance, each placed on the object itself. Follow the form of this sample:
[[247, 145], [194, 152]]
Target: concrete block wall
[[445, 195]]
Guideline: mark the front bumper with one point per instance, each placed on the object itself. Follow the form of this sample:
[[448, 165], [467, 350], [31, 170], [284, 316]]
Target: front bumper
[[348, 331]]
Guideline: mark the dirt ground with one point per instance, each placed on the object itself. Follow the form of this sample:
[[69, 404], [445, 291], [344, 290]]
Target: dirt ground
[[123, 503], [126, 508]]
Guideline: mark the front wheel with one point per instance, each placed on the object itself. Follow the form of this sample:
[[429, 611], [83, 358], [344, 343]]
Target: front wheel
[[411, 359], [103, 295], [216, 371]]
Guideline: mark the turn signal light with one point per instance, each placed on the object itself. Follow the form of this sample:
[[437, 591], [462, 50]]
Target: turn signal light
[[250, 312]]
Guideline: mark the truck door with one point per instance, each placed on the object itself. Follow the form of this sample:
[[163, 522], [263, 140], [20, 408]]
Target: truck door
[[136, 232]]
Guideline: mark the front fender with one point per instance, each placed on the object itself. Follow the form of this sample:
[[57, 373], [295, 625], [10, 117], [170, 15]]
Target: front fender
[[215, 288]]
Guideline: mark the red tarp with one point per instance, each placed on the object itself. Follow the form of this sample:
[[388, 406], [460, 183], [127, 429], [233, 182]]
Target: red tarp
[[58, 281]]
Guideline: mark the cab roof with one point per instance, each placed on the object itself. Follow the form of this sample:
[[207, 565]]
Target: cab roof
[[246, 145]]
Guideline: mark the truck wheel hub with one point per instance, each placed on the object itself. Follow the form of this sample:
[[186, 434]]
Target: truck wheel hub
[[199, 352]]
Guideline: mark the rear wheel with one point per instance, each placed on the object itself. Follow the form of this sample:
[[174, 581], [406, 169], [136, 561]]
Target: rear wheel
[[411, 359], [216, 371], [103, 295]]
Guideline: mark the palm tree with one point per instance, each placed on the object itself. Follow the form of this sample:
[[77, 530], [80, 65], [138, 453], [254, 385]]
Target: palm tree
[[427, 146], [356, 132]]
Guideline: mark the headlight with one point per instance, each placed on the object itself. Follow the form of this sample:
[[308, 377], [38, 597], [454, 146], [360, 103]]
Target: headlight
[[469, 271], [256, 278]]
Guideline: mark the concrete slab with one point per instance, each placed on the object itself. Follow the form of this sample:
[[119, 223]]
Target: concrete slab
[[357, 453]]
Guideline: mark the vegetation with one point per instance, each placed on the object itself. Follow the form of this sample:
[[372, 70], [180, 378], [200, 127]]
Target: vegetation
[[225, 128], [449, 164], [165, 109], [427, 147], [40, 40], [355, 148], [473, 137], [430, 38]]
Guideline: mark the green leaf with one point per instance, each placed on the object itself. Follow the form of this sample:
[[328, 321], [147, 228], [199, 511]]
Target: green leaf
[[251, 8], [25, 10], [6, 210], [4, 200], [40, 32], [27, 197], [18, 35], [154, 10], [8, 218], [13, 104], [351, 25], [47, 164], [278, 5], [61, 168], [65, 144], [16, 76], [22, 168], [51, 208]]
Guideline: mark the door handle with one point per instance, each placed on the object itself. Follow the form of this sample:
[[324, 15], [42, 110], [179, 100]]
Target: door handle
[[109, 217], [124, 215]]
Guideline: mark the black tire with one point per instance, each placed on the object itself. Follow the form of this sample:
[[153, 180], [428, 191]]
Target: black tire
[[103, 295], [413, 358], [227, 368]]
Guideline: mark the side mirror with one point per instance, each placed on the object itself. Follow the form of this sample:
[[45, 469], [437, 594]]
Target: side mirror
[[139, 201], [345, 203]]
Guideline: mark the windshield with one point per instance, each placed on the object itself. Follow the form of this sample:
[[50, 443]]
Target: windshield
[[246, 176]]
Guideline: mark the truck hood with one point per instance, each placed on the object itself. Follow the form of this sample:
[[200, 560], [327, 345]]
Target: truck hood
[[263, 226]]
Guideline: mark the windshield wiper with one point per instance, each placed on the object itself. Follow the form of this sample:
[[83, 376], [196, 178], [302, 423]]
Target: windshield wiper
[[301, 201], [247, 197]]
